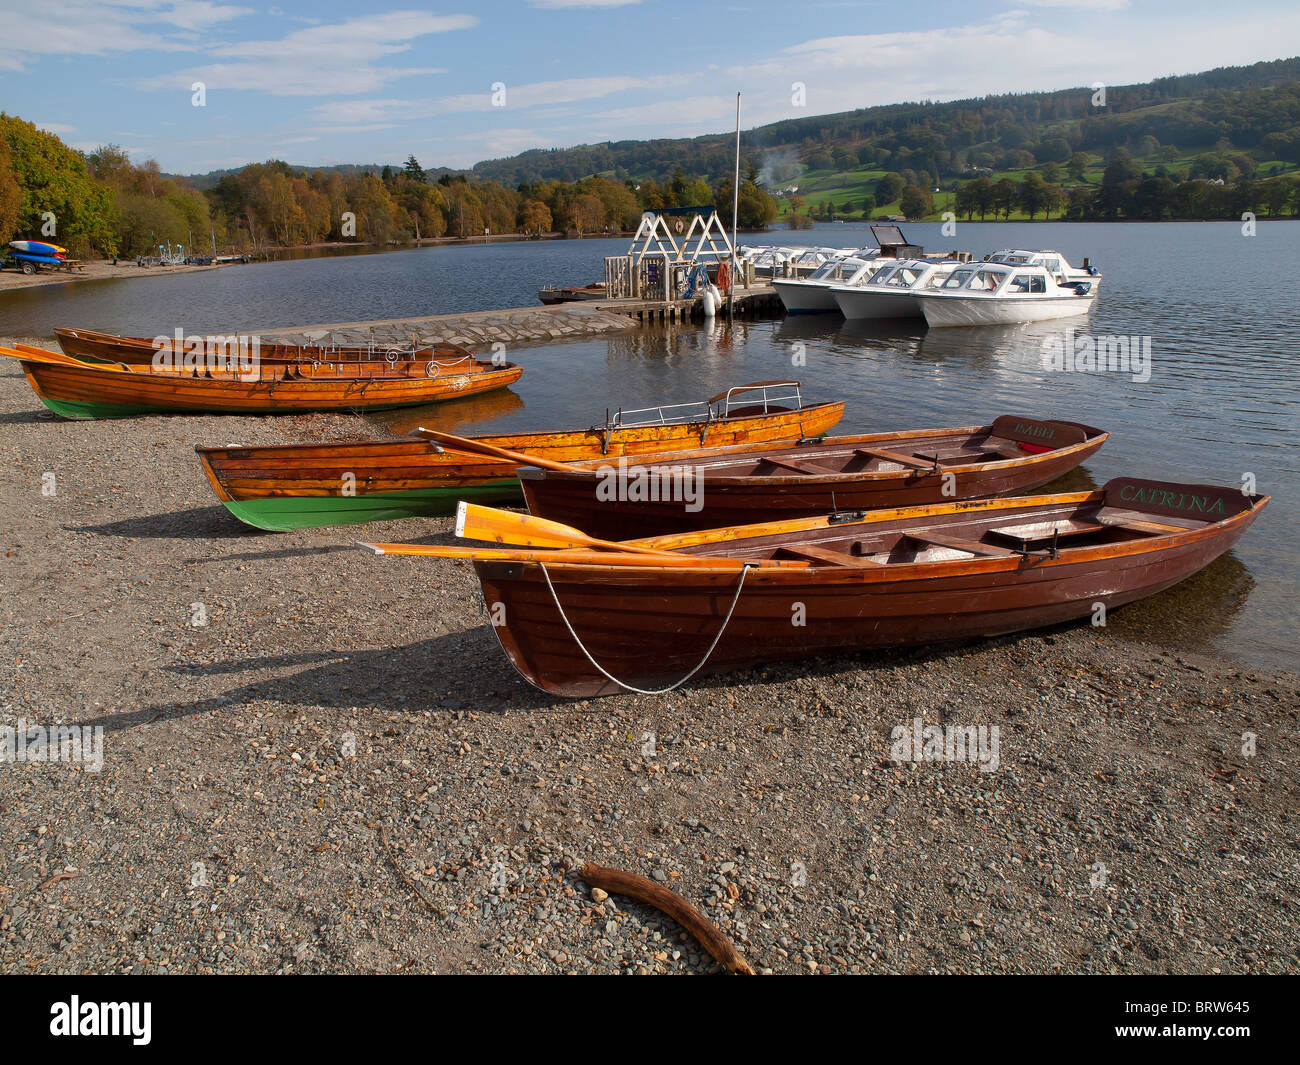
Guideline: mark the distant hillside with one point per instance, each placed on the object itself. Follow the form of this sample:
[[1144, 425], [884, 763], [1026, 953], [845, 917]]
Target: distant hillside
[[212, 178], [1191, 113]]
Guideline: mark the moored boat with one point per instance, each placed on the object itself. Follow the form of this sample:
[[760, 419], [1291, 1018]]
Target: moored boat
[[814, 294], [294, 486], [575, 625], [720, 486], [989, 293], [889, 292], [77, 389], [93, 345]]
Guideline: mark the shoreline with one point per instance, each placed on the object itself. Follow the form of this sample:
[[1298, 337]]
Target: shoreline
[[340, 772]]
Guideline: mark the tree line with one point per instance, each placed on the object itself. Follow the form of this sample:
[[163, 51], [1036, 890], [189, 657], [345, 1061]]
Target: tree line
[[102, 203]]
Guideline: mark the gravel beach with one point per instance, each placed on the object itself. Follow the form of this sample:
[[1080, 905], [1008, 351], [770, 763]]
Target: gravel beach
[[337, 770]]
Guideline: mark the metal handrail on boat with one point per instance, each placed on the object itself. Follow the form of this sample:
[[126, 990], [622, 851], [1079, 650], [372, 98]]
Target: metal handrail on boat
[[795, 396], [659, 415]]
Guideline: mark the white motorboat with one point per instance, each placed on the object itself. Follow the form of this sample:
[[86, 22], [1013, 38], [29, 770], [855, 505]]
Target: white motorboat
[[889, 292], [990, 293], [814, 294], [1053, 262]]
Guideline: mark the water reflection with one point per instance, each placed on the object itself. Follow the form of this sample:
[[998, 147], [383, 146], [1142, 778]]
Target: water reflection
[[1192, 615], [450, 416]]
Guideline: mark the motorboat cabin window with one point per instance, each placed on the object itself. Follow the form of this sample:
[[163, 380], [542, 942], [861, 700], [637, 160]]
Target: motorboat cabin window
[[882, 277], [904, 277], [958, 278], [1028, 283], [986, 280]]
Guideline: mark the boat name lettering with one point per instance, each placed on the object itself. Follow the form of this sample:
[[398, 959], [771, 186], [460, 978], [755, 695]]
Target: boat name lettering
[[1036, 429], [1174, 500]]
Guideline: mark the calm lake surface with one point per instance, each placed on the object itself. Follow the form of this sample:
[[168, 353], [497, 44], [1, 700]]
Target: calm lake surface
[[1222, 401]]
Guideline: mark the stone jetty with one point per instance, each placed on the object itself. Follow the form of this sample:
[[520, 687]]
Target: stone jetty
[[475, 329]]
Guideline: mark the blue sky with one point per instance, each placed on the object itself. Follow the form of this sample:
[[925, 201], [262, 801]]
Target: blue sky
[[335, 82]]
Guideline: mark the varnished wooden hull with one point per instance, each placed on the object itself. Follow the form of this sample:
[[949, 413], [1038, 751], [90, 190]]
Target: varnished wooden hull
[[649, 627], [581, 499], [304, 485], [92, 345], [75, 389]]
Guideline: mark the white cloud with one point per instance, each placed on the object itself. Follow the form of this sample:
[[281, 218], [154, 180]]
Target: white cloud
[[557, 5], [518, 97], [344, 58], [95, 27], [1091, 5]]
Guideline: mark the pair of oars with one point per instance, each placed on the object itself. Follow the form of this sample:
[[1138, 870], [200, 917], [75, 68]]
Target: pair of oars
[[543, 540], [562, 543]]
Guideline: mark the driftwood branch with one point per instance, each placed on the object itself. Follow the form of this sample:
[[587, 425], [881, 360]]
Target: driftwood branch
[[403, 877], [619, 882]]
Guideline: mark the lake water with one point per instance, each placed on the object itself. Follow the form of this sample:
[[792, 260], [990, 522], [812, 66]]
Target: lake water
[[1222, 401]]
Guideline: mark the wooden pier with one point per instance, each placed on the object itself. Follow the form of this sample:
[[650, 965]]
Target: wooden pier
[[755, 302], [557, 321]]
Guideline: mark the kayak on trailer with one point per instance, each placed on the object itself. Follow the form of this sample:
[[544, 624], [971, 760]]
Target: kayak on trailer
[[649, 614], [297, 486], [92, 345], [714, 487], [38, 247], [77, 389]]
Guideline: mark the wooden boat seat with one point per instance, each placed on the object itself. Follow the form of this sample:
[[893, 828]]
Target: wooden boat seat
[[1136, 521], [958, 543], [981, 454], [792, 466], [1149, 528], [893, 456], [1044, 531], [813, 553]]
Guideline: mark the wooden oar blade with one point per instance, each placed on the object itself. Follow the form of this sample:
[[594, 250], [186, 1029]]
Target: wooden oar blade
[[476, 522]]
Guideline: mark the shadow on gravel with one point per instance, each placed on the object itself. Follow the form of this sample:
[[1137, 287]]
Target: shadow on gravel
[[455, 671], [30, 417], [198, 523], [466, 671]]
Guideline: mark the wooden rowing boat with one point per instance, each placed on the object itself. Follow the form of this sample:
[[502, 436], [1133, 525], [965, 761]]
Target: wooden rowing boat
[[93, 346], [296, 486], [76, 389], [714, 487], [851, 582]]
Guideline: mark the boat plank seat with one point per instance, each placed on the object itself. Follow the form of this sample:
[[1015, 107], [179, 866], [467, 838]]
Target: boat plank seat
[[813, 553], [893, 456], [1139, 522], [792, 466], [1042, 531], [984, 454], [1151, 528], [959, 543]]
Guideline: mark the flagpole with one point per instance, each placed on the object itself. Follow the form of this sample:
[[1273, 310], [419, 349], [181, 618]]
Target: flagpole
[[735, 211]]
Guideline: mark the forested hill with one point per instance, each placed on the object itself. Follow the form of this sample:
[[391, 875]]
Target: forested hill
[[1253, 108]]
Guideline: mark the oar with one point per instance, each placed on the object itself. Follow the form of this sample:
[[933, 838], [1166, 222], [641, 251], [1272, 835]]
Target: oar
[[475, 522], [465, 443], [584, 558]]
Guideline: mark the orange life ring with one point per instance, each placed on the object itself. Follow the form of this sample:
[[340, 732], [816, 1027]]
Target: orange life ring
[[724, 276]]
